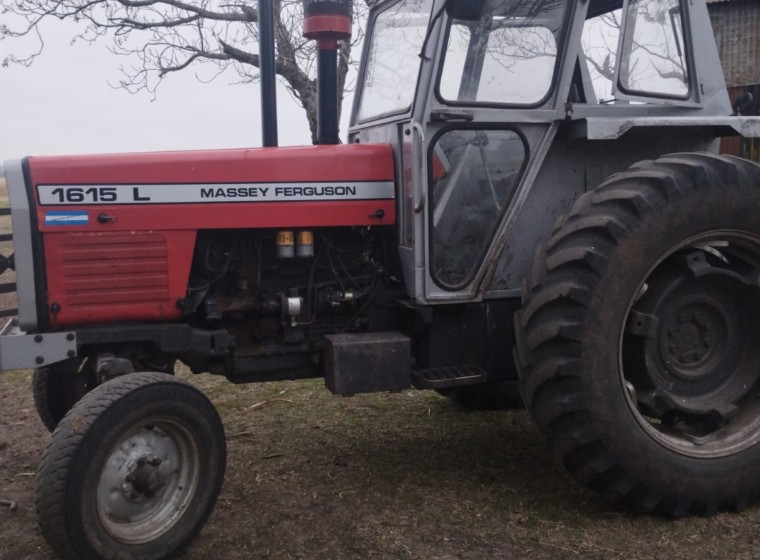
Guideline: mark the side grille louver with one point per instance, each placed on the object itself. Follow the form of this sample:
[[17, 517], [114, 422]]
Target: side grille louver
[[115, 269]]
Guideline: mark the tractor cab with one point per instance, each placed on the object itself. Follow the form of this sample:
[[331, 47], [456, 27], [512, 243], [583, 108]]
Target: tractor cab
[[495, 106]]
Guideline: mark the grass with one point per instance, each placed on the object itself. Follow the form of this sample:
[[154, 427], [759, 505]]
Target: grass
[[407, 475]]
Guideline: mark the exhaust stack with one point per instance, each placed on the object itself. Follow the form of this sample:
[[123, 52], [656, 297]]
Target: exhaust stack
[[327, 22], [267, 72]]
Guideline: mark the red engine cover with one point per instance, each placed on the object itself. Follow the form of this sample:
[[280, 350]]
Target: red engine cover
[[119, 230]]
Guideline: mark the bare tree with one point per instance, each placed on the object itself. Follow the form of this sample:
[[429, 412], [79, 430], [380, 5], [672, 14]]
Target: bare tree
[[160, 37]]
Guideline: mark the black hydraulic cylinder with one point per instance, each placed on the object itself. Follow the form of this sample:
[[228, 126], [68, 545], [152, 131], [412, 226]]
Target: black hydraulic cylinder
[[267, 74], [327, 96]]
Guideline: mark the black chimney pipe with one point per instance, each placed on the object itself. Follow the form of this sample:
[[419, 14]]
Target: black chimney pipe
[[267, 74], [327, 97], [327, 22]]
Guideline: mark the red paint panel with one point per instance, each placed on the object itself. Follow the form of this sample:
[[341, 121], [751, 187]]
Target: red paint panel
[[137, 264], [106, 297], [330, 164], [352, 162], [104, 277], [98, 281], [323, 27], [241, 215]]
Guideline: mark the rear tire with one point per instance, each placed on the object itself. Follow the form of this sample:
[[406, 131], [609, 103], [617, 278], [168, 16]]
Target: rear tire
[[132, 471], [636, 341]]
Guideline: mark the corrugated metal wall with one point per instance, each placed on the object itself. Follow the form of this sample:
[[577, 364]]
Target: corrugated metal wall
[[737, 31]]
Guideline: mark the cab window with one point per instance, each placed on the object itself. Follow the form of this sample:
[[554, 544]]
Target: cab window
[[509, 56], [393, 61]]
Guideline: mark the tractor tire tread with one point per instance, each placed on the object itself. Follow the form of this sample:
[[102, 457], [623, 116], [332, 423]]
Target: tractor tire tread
[[552, 321], [65, 444]]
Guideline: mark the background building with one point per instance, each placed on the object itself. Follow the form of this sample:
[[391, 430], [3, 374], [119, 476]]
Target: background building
[[737, 31]]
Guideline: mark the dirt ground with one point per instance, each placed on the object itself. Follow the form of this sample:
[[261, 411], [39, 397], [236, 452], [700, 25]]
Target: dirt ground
[[388, 476]]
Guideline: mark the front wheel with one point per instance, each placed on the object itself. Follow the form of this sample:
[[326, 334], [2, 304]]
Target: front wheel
[[636, 342], [132, 471], [57, 387]]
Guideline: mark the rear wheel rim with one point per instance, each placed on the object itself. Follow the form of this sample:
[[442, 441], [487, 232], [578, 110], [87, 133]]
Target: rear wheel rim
[[690, 373]]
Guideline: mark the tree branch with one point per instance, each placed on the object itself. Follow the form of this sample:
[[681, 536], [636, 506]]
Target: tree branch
[[161, 37]]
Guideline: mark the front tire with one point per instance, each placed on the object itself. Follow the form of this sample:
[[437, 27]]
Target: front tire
[[132, 471], [58, 387], [636, 341]]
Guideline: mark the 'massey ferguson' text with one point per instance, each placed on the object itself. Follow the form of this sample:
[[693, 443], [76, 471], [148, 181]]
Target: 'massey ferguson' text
[[279, 192]]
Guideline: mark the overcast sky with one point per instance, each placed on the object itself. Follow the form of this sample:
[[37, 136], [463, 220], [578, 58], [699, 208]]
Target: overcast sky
[[63, 104]]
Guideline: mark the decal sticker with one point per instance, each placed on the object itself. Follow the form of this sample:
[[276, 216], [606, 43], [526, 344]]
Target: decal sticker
[[59, 195], [66, 219]]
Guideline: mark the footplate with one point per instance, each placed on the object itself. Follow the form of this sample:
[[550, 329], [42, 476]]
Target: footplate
[[451, 376]]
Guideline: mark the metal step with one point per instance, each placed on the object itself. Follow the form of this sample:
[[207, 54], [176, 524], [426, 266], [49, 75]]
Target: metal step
[[450, 376]]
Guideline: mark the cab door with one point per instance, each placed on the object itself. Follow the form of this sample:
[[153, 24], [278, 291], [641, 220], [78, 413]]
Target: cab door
[[491, 114]]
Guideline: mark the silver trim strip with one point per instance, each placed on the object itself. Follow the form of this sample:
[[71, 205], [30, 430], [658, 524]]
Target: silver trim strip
[[107, 194]]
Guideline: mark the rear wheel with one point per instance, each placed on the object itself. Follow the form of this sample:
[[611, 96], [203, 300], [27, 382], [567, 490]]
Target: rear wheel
[[132, 471], [636, 342]]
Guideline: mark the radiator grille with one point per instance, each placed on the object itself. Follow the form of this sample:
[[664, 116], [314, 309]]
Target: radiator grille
[[115, 269]]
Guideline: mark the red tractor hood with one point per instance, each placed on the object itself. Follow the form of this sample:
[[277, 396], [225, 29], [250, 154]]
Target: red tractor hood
[[308, 186]]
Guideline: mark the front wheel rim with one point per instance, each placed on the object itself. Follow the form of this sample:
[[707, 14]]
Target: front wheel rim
[[147, 481], [690, 373]]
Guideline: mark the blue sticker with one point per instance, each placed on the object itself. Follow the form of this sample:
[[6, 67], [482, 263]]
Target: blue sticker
[[66, 219]]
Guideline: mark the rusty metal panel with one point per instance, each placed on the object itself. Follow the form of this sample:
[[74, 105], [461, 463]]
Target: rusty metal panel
[[748, 148], [731, 145], [737, 32]]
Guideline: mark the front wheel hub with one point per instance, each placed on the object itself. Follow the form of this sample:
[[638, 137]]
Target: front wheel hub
[[146, 480]]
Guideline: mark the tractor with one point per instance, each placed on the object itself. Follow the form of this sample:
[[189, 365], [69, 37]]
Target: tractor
[[529, 210]]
